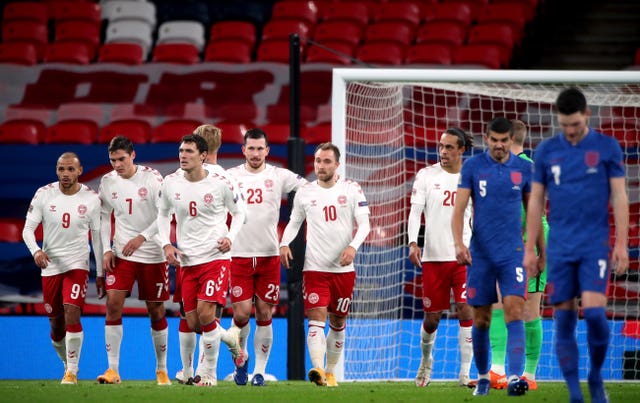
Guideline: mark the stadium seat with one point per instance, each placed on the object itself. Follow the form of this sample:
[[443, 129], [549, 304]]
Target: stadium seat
[[275, 51], [67, 52], [408, 13], [530, 7], [339, 53], [378, 53], [27, 10], [182, 32], [22, 132], [339, 31], [179, 53], [429, 53], [138, 131], [123, 53], [232, 111], [474, 5], [317, 134], [278, 133], [18, 53], [459, 13], [450, 33], [494, 34], [72, 132], [79, 31], [398, 33], [240, 31], [172, 131], [509, 13], [305, 11], [280, 113], [281, 29], [130, 32], [32, 32], [11, 230], [357, 12], [488, 56], [233, 133], [126, 10], [73, 10], [228, 51]]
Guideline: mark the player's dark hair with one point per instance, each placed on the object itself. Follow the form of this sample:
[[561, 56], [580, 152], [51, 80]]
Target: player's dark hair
[[570, 101], [256, 134], [500, 125], [121, 143], [329, 146], [199, 141], [464, 139]]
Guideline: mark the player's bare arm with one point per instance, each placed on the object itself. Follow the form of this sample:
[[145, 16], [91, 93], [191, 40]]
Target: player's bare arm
[[285, 256], [620, 205], [100, 288], [463, 255], [533, 263]]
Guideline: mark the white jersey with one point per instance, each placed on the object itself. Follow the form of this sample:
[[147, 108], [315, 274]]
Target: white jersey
[[66, 221], [134, 203], [262, 193], [330, 215], [434, 190], [200, 210]]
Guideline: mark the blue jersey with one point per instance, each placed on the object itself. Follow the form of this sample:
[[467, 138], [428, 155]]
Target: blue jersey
[[497, 191], [577, 184]]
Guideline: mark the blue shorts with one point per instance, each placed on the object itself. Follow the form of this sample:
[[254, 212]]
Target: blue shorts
[[483, 274], [570, 276]]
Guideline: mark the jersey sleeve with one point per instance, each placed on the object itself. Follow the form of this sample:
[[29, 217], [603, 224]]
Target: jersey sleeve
[[290, 180], [615, 165], [466, 175], [418, 191]]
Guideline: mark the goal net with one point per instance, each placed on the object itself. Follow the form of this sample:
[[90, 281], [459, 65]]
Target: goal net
[[387, 124]]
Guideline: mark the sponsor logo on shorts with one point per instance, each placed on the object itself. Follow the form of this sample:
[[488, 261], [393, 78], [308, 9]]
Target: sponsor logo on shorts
[[427, 302], [111, 279], [236, 291], [313, 298]]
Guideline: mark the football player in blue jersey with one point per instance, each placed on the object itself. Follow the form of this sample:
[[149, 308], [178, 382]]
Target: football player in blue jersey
[[498, 182], [581, 172]]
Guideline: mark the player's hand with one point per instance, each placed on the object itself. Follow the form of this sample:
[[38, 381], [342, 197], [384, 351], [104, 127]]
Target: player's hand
[[463, 255], [531, 263], [542, 262], [100, 287], [133, 245], [620, 259], [108, 261], [285, 256], [415, 255], [42, 259], [224, 245], [347, 256], [172, 254]]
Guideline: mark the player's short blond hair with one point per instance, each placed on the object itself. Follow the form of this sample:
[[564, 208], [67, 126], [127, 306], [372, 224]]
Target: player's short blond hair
[[519, 131], [213, 136]]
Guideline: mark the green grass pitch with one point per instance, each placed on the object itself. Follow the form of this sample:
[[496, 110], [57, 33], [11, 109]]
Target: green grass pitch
[[287, 391]]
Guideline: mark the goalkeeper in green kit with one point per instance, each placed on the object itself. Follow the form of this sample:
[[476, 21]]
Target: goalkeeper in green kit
[[532, 319]]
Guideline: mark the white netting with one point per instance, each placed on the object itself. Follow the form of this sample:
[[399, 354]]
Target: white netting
[[391, 131]]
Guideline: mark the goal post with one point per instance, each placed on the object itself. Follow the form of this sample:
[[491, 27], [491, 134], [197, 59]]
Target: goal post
[[387, 122]]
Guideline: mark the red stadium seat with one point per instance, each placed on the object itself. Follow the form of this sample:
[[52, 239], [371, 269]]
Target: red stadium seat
[[317, 134], [339, 31], [389, 32], [124, 53], [429, 53], [22, 132], [74, 10], [228, 51], [444, 32], [233, 111], [18, 53], [72, 131], [281, 29], [31, 32], [11, 230], [79, 31], [67, 52], [275, 51], [27, 10], [296, 10], [278, 133], [474, 5], [357, 12], [239, 31], [460, 13], [172, 131], [488, 56], [233, 133], [494, 34], [138, 131], [530, 6], [179, 53], [339, 53], [408, 13], [509, 13], [378, 53]]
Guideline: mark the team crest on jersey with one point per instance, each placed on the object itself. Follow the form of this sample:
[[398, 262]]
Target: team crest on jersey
[[208, 198], [516, 177], [236, 291], [592, 158], [143, 193], [268, 183], [342, 200], [82, 209], [313, 298]]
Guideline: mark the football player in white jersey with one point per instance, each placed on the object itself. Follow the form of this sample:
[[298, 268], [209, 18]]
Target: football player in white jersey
[[67, 210], [331, 206], [200, 203], [131, 192], [255, 265], [187, 336], [433, 195]]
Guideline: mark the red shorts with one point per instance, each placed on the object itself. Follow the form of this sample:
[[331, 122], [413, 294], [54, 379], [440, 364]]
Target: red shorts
[[438, 280], [259, 276], [177, 293], [153, 279], [67, 288], [331, 290], [205, 282]]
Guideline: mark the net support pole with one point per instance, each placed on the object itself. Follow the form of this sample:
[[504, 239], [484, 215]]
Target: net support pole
[[295, 158]]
